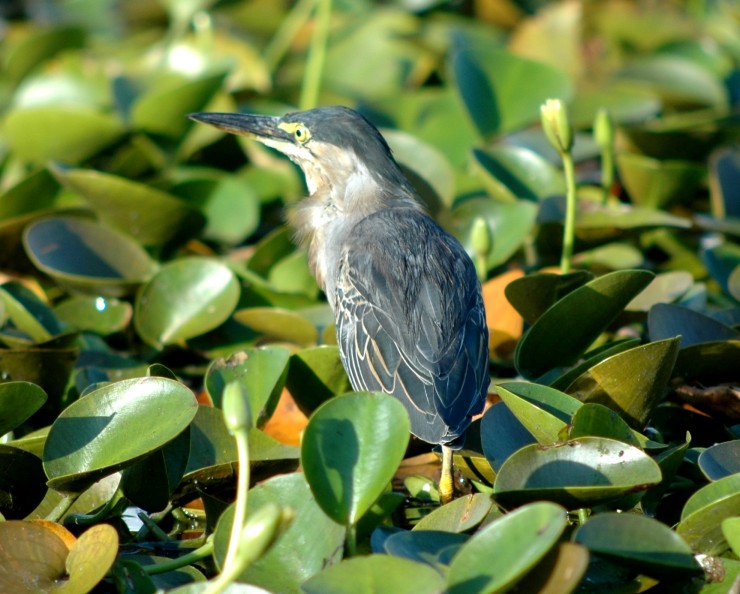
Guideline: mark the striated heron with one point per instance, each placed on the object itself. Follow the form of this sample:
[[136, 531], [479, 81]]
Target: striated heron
[[407, 302]]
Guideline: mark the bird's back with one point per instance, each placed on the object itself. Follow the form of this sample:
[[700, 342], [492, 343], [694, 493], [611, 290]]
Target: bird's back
[[410, 321]]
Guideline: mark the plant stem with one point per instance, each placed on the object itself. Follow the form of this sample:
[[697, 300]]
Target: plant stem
[[61, 508], [240, 506], [570, 212], [206, 550], [285, 34], [607, 174], [316, 56], [350, 540]]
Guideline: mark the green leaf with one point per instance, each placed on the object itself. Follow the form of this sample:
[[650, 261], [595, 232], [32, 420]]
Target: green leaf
[[67, 134], [544, 412], [18, 401], [112, 427], [500, 554], [654, 183], [503, 92], [644, 544], [720, 460], [666, 287], [704, 512], [630, 383], [279, 324], [149, 215], [351, 449], [432, 547], [731, 532], [87, 256], [315, 375], [101, 315], [262, 372], [595, 305], [28, 313], [502, 434], [184, 299], [22, 482], [710, 494], [532, 295], [460, 515], [375, 574], [666, 320], [578, 473], [310, 543], [596, 420]]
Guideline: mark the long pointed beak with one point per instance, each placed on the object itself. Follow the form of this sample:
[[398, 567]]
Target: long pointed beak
[[259, 127]]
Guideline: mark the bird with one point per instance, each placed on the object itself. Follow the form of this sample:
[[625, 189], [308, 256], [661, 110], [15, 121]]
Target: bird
[[410, 318]]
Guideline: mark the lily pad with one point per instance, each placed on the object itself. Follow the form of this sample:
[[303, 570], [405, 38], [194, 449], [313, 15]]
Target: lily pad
[[577, 473], [500, 554], [184, 299], [111, 428], [350, 451]]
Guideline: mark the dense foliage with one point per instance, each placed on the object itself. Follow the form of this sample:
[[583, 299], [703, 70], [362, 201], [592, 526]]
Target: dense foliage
[[168, 368]]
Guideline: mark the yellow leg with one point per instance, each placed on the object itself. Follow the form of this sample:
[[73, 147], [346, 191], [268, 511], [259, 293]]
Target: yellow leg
[[446, 482]]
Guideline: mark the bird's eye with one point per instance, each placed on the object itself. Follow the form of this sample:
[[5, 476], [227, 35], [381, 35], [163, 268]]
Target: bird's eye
[[301, 134]]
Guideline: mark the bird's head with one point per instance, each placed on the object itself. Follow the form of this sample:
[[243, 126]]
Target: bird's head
[[336, 147]]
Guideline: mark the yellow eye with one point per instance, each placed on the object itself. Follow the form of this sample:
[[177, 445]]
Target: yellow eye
[[301, 134]]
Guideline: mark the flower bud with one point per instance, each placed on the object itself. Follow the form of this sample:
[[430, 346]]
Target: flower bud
[[556, 125]]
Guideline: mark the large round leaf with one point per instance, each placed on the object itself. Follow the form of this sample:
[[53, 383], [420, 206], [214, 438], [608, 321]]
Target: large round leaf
[[351, 448], [86, 255], [22, 482], [376, 574], [643, 543], [310, 543], [555, 339], [578, 473], [500, 554], [316, 374], [185, 298], [18, 401], [114, 426], [721, 460]]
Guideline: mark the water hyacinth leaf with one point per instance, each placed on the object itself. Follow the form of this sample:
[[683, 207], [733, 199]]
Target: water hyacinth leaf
[[262, 372], [511, 173], [702, 529], [66, 134], [18, 401], [90, 559], [164, 107], [279, 324], [460, 515], [293, 275], [599, 421], [731, 532], [724, 181], [112, 427], [502, 434], [431, 547], [185, 298], [630, 383], [595, 304], [489, 80], [376, 573], [28, 313], [577, 473], [39, 45], [626, 216], [711, 494], [559, 572], [100, 315], [316, 374], [654, 183], [709, 363], [149, 215], [593, 357], [510, 224], [87, 256], [150, 482], [37, 557], [720, 460], [47, 367], [645, 544], [666, 320], [310, 543], [721, 260], [22, 482], [533, 294], [543, 411], [500, 554], [666, 287], [350, 451], [32, 194]]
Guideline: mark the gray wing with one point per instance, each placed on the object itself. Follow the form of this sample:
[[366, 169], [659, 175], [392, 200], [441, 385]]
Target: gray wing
[[410, 321]]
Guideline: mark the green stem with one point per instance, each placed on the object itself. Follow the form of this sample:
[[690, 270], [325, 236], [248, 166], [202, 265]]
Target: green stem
[[570, 213], [284, 36], [316, 56], [172, 564], [607, 174], [117, 500], [61, 508], [240, 506], [350, 540]]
